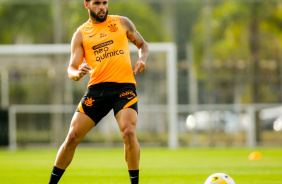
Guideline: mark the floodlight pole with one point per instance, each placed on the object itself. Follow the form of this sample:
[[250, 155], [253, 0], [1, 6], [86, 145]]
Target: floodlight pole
[[4, 88], [192, 78], [57, 28], [251, 139], [193, 88], [172, 97], [58, 78], [208, 63], [12, 129]]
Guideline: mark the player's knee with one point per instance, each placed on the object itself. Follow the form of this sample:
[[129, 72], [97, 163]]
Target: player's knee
[[128, 135], [72, 139]]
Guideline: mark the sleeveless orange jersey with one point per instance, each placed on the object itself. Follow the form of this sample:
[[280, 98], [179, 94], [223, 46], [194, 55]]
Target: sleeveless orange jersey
[[106, 50]]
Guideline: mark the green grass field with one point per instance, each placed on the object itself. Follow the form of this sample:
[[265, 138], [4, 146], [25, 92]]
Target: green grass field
[[159, 165]]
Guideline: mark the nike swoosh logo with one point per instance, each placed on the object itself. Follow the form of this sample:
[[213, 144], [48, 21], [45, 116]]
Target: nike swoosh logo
[[55, 174]]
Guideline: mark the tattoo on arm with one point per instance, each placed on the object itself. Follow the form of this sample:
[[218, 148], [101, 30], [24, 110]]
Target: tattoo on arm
[[135, 37], [143, 50]]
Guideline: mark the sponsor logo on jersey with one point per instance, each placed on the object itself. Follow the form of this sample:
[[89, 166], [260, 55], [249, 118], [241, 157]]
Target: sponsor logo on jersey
[[105, 54], [102, 51], [102, 45]]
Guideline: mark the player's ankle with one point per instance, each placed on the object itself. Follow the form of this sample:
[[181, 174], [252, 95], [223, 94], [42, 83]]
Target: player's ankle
[[56, 175], [134, 176]]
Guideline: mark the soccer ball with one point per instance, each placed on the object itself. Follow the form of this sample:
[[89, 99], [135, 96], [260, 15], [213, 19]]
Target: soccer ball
[[219, 178]]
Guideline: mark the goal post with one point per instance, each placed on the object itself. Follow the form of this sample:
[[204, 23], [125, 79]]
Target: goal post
[[171, 69], [169, 49]]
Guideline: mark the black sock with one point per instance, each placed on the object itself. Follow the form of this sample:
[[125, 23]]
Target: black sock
[[134, 176], [56, 175]]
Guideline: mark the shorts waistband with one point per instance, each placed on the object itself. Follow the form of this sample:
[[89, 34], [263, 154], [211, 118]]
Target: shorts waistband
[[105, 84]]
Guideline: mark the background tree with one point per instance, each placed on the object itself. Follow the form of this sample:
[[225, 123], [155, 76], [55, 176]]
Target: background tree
[[34, 23], [25, 23], [242, 48]]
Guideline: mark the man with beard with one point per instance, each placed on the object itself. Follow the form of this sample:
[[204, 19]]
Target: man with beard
[[103, 42]]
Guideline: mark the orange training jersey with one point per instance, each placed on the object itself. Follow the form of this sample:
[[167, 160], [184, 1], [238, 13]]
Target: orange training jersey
[[106, 50]]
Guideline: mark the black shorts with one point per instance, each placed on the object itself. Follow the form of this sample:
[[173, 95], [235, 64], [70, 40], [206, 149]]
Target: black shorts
[[101, 98]]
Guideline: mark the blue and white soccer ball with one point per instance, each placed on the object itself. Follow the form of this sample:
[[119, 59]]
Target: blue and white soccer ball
[[219, 178]]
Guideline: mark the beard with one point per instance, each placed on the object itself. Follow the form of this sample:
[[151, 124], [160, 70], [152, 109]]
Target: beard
[[97, 18]]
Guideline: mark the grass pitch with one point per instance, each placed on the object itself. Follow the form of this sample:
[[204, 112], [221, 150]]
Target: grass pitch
[[157, 166]]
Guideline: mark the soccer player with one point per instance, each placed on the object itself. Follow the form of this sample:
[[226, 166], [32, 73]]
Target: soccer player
[[103, 42]]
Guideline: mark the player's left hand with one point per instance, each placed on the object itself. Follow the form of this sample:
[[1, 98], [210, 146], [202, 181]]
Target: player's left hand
[[140, 66]]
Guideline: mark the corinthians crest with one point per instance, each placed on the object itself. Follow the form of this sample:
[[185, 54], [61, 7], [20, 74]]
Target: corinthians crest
[[113, 27]]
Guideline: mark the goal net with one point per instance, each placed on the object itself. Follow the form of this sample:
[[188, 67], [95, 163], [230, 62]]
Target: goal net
[[41, 99]]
